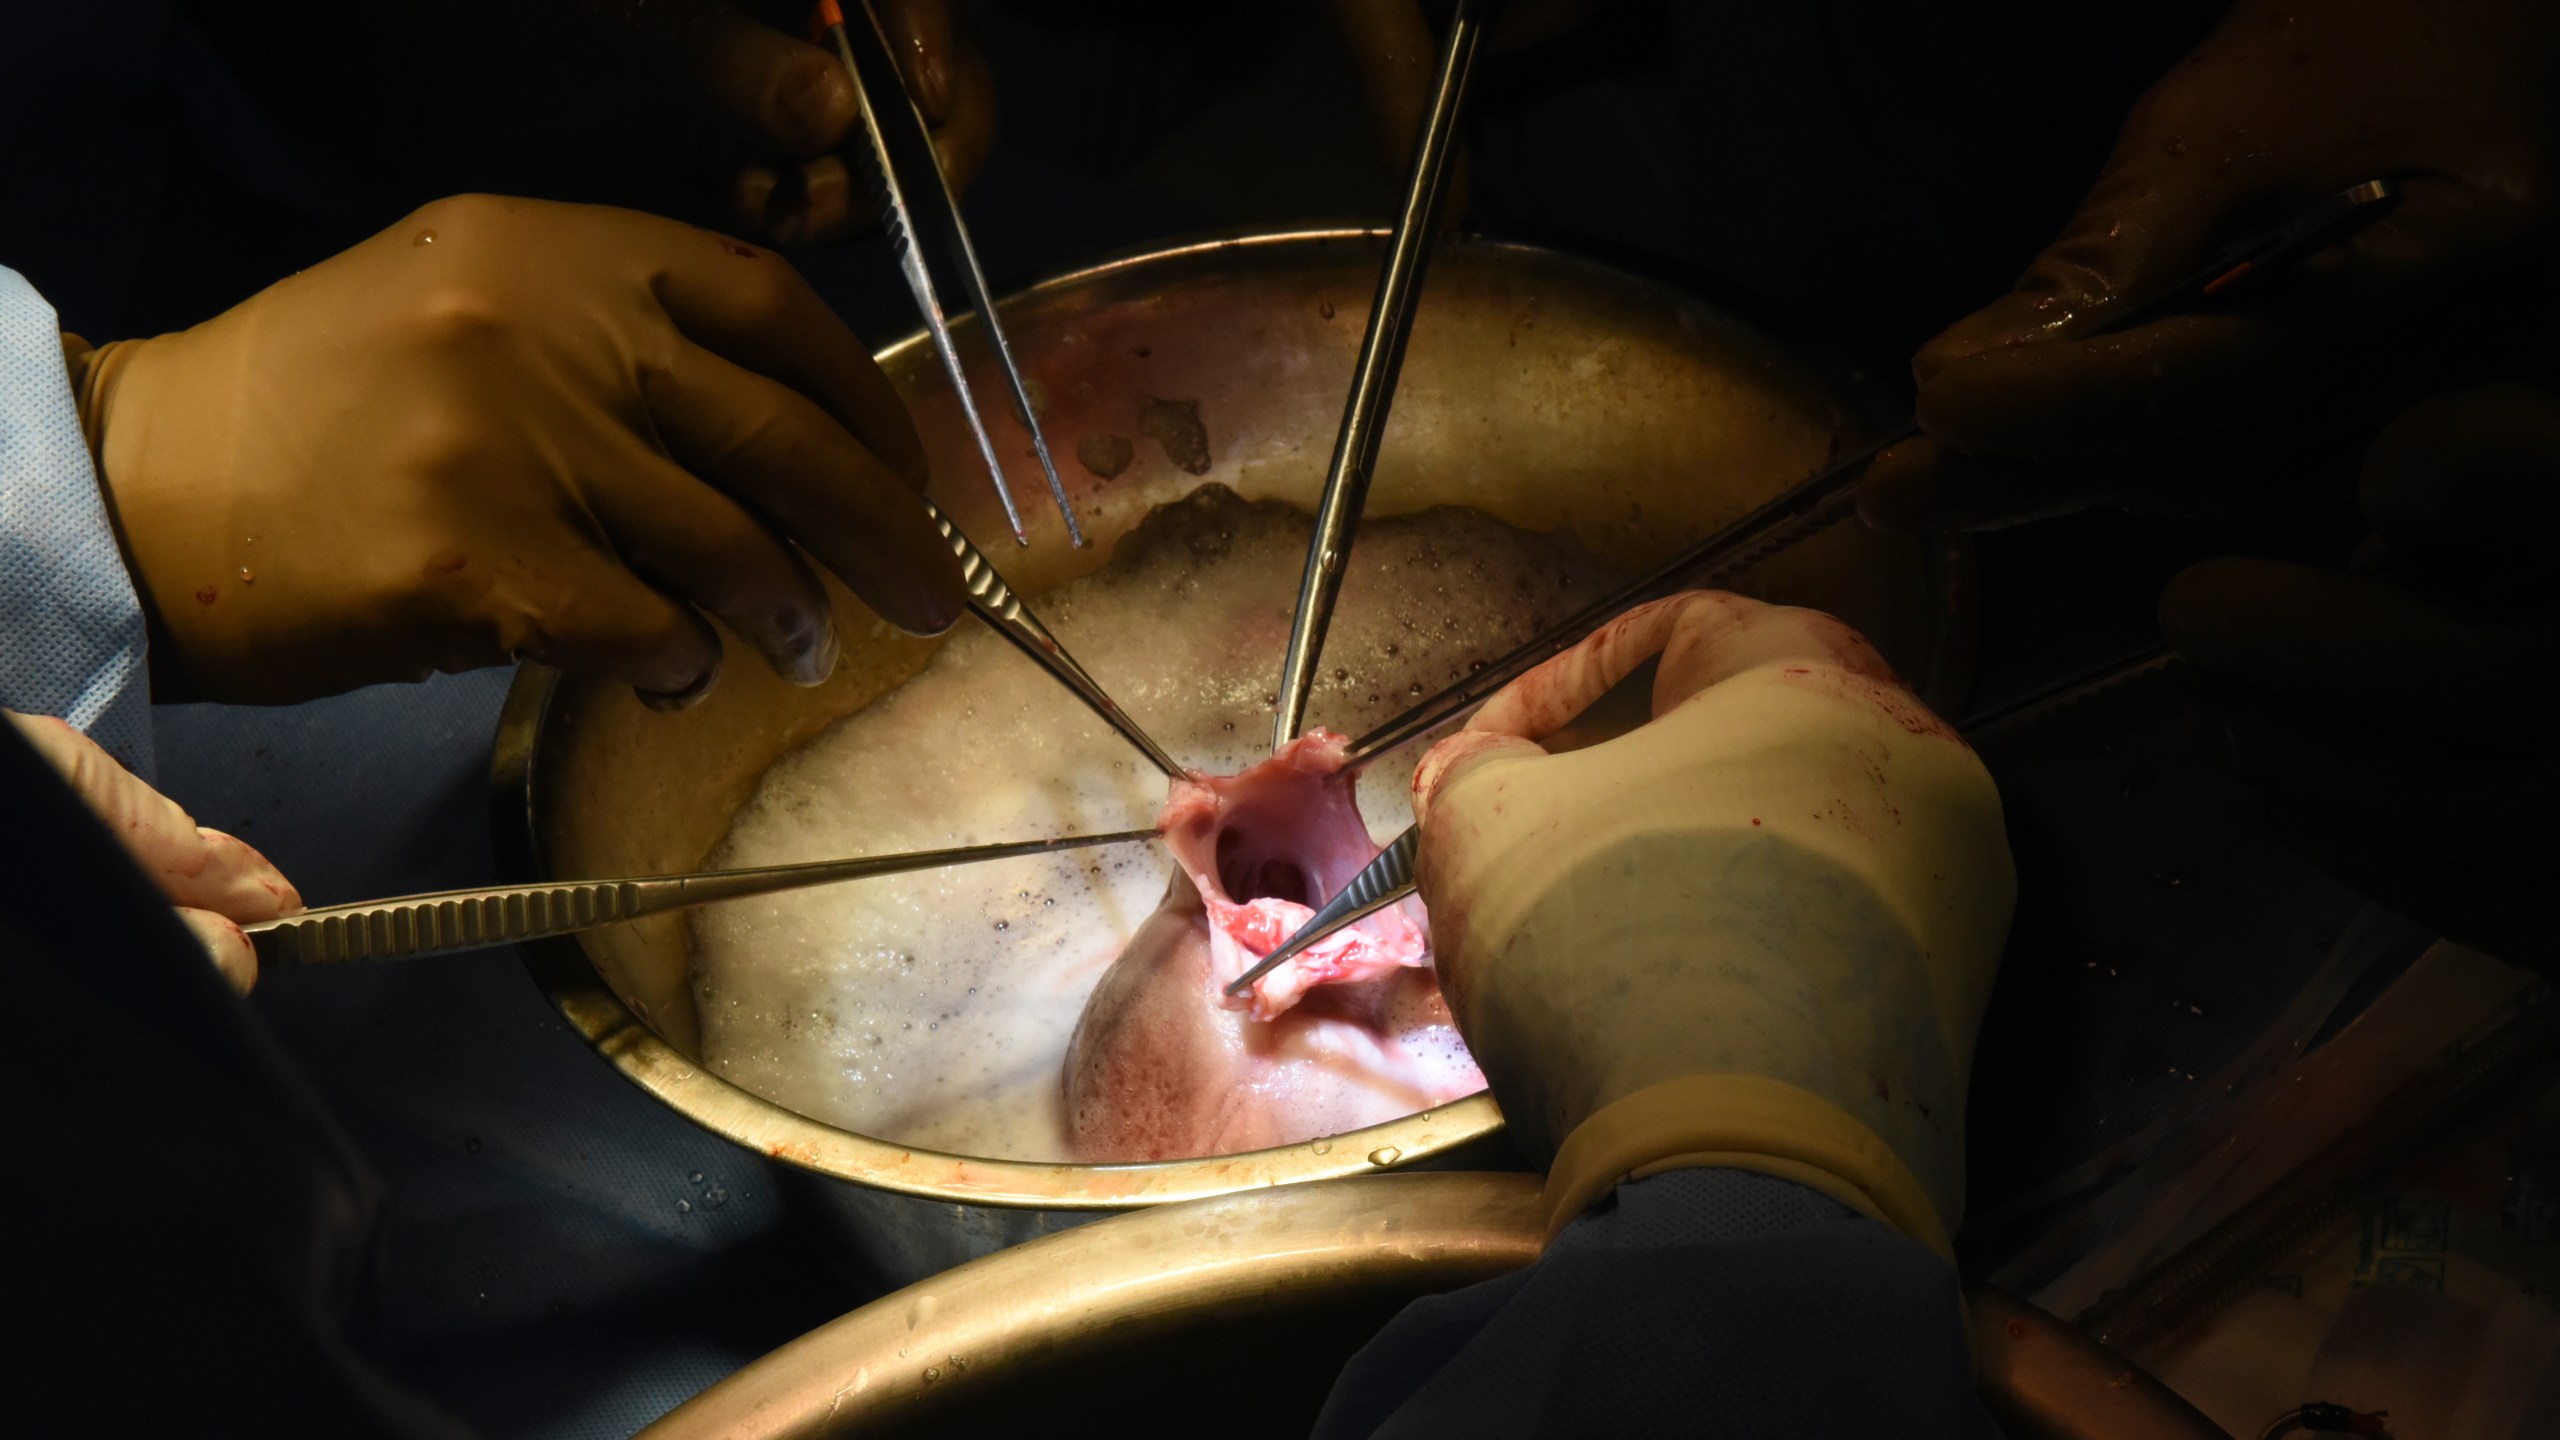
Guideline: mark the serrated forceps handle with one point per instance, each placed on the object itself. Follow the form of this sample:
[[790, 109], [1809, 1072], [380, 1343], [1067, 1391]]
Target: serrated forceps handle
[[995, 603], [449, 922]]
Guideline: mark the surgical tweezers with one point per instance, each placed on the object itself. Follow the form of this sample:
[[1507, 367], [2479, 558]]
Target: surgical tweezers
[[918, 211], [1804, 508], [1373, 376], [1004, 612], [1390, 876], [449, 922]]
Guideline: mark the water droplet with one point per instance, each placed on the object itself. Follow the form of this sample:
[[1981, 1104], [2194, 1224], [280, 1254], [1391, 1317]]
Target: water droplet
[[246, 578], [715, 1197], [696, 1177], [1385, 1155], [423, 237], [1322, 1147], [684, 1207]]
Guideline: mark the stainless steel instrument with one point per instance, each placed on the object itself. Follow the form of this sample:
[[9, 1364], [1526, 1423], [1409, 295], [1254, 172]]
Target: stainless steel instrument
[[449, 922], [1830, 495], [1373, 376], [1004, 612], [918, 211], [1810, 505], [1390, 876]]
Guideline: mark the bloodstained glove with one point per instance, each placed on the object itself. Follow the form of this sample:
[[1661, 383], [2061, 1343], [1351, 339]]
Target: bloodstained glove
[[1756, 932]]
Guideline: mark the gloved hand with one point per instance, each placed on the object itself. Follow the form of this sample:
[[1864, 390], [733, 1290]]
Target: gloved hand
[[2283, 106], [509, 428], [2398, 717], [216, 882], [1756, 932], [718, 109]]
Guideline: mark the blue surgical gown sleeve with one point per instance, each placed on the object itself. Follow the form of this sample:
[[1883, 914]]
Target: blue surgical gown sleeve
[[1695, 1302], [71, 631]]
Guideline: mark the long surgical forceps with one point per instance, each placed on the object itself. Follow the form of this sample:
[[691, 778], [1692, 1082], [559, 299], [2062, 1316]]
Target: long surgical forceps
[[449, 922], [918, 211], [1808, 506], [1373, 377]]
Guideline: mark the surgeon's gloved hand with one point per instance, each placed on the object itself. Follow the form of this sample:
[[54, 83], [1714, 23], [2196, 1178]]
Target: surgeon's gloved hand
[[1755, 932], [216, 882], [2398, 715], [2282, 106], [508, 428], [725, 110]]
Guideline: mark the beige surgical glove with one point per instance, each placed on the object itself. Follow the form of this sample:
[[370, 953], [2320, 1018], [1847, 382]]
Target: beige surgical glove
[[510, 428], [1757, 932], [216, 882]]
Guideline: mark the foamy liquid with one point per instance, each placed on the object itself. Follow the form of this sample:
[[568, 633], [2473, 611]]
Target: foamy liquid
[[934, 1009]]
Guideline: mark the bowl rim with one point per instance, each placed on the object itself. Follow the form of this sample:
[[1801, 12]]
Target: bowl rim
[[560, 968]]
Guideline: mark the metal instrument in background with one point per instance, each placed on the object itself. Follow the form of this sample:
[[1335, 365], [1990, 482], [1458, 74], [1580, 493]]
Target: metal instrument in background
[[1829, 496], [1373, 376], [1802, 509], [1390, 877], [450, 922], [917, 209], [994, 602]]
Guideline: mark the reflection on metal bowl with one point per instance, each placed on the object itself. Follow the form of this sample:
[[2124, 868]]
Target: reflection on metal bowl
[[1546, 390], [1139, 1323]]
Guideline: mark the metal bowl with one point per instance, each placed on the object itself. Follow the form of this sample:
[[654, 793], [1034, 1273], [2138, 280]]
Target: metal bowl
[[1548, 390], [1244, 1308]]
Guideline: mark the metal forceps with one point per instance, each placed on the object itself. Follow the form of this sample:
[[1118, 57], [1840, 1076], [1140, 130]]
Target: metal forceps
[[1808, 506], [449, 922], [918, 211], [1373, 377]]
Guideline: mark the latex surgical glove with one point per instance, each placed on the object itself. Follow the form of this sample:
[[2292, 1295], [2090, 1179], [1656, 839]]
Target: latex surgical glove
[[508, 428], [2397, 716], [2237, 410], [724, 110], [216, 882], [1756, 932]]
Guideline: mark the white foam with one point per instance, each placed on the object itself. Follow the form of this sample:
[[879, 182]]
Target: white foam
[[934, 1010]]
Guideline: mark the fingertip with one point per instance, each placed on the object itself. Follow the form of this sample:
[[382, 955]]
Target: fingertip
[[813, 104], [1895, 493], [226, 945], [683, 697], [935, 605], [815, 663]]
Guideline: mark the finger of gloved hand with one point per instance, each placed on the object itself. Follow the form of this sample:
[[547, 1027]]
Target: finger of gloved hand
[[2024, 377], [789, 461], [920, 35], [586, 613], [697, 543], [815, 202], [2457, 846], [224, 944], [2464, 488], [2485, 892], [2340, 770], [2267, 470], [193, 866], [754, 309], [963, 138], [2359, 648], [786, 94], [1921, 484]]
